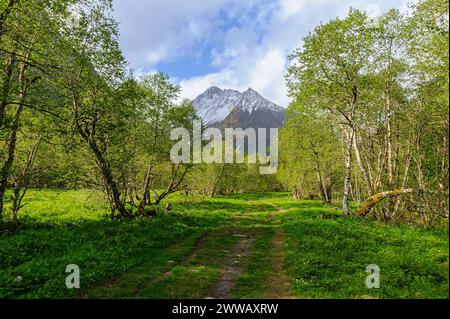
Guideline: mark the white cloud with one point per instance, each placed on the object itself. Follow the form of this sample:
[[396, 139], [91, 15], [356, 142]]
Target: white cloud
[[168, 27], [289, 8], [196, 85], [263, 75], [157, 55], [266, 75], [265, 69], [252, 52]]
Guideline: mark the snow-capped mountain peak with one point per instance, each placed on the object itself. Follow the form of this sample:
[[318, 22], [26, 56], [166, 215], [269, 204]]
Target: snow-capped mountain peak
[[215, 104], [252, 101]]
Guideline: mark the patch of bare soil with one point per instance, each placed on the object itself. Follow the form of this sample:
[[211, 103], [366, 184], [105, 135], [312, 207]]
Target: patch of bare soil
[[233, 266], [279, 282], [186, 259]]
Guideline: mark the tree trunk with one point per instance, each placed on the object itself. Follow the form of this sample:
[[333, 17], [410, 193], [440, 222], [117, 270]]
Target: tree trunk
[[348, 171], [105, 168], [329, 191], [322, 186], [361, 165], [5, 90], [109, 180], [145, 193], [387, 104], [405, 177], [390, 164], [22, 181], [375, 199], [216, 182], [174, 184], [5, 170]]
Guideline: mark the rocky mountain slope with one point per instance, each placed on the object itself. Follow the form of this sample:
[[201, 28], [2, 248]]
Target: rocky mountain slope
[[230, 108]]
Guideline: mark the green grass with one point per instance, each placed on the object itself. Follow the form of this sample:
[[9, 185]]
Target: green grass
[[252, 283], [42, 246], [180, 254], [327, 258]]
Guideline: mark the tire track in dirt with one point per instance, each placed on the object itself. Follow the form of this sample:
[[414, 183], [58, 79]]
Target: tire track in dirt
[[279, 283], [166, 271], [197, 246], [234, 265]]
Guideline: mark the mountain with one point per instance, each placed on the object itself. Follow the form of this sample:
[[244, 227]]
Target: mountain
[[230, 108]]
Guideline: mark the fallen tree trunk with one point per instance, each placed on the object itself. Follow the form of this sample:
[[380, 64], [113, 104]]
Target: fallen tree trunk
[[375, 199]]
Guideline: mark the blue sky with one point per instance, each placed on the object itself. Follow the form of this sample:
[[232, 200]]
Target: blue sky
[[232, 44]]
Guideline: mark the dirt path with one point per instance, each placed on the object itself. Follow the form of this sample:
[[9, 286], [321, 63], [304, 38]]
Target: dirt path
[[279, 284], [199, 242], [234, 265], [120, 280], [171, 272]]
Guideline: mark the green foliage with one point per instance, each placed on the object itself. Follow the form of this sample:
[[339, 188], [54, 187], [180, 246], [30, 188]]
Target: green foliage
[[66, 227], [383, 84], [310, 151], [326, 257], [373, 92]]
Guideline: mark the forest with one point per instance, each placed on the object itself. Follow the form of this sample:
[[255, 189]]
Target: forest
[[85, 154], [371, 114]]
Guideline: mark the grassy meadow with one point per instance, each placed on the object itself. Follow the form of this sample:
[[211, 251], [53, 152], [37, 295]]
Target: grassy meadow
[[271, 245]]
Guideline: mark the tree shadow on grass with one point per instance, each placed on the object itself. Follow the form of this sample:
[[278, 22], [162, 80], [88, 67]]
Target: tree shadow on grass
[[208, 206], [40, 252]]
